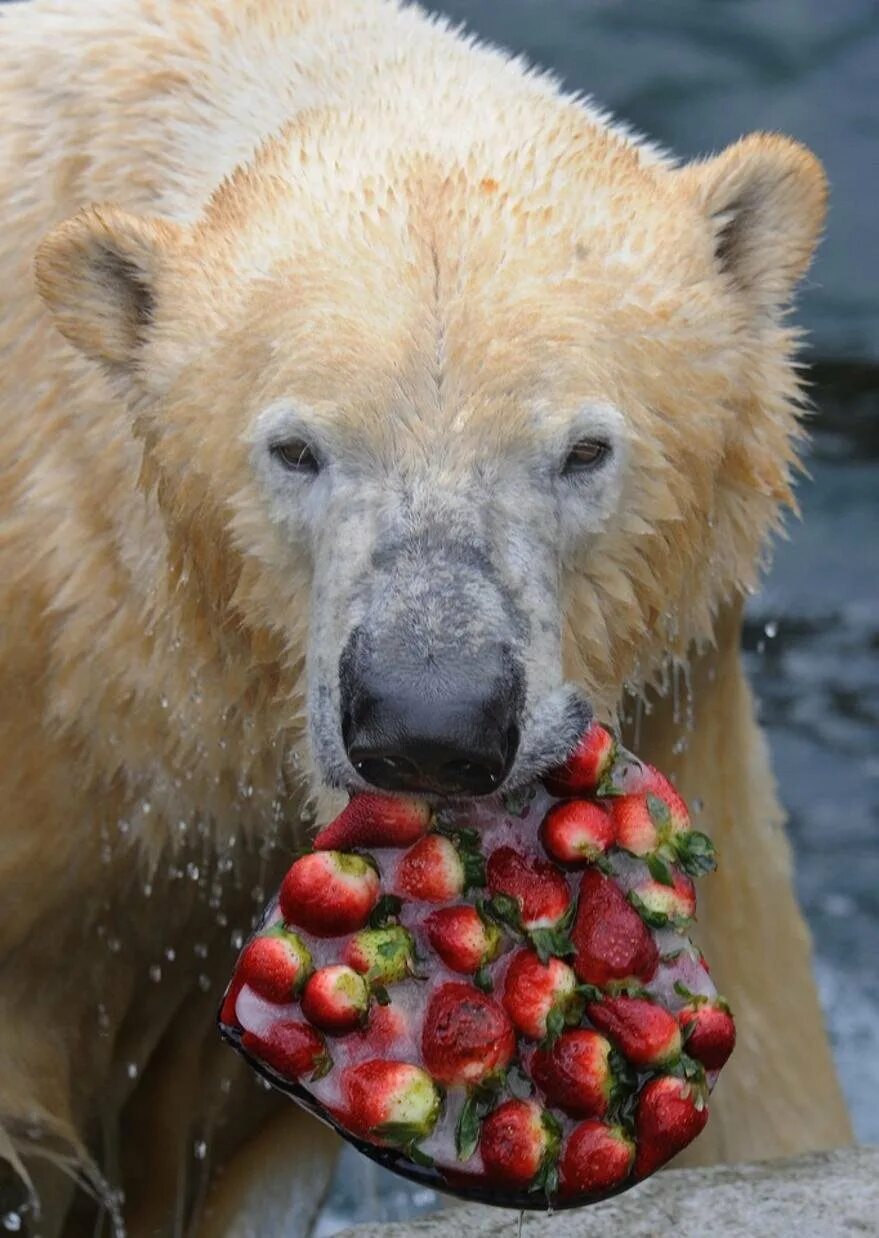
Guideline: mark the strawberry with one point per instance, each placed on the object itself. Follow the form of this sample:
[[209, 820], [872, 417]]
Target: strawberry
[[382, 955], [532, 896], [336, 999], [293, 1049], [541, 998], [644, 1032], [463, 938], [436, 871], [466, 1035], [275, 965], [376, 821], [394, 1102], [588, 766], [329, 893], [613, 946], [576, 1073], [596, 1158], [670, 1114], [709, 1031], [577, 832], [656, 819], [228, 1011], [519, 1143], [385, 1028], [669, 901]]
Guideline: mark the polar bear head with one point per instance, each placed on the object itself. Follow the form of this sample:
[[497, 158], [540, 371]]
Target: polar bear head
[[463, 441]]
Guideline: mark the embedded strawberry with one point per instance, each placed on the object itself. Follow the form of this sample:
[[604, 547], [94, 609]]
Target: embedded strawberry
[[275, 965], [293, 1049], [709, 1031], [671, 900], [329, 893], [436, 871], [371, 820], [228, 1010], [531, 895], [634, 827], [577, 832], [336, 999], [463, 938], [651, 821], [466, 1035], [576, 1074], [588, 765], [541, 998], [613, 945], [596, 1158], [394, 1102], [670, 1114], [519, 1144], [385, 1027], [644, 1032], [649, 781], [382, 955]]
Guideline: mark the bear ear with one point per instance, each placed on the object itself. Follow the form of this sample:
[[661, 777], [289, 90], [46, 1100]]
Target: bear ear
[[97, 273], [764, 198]]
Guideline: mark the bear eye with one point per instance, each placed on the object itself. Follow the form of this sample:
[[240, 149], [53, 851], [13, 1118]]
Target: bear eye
[[586, 455], [296, 456]]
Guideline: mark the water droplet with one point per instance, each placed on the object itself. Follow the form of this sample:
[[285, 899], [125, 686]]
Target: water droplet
[[199, 1149], [147, 807], [200, 950], [12, 1222], [258, 894], [131, 1070], [123, 827], [237, 939], [520, 1225], [147, 889], [182, 826], [114, 945], [697, 805], [164, 702], [192, 871], [771, 629], [204, 983], [680, 745], [106, 854], [103, 1020], [225, 1085], [155, 973], [170, 954], [761, 646]]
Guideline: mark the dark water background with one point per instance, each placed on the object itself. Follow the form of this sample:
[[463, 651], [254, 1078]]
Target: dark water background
[[695, 75]]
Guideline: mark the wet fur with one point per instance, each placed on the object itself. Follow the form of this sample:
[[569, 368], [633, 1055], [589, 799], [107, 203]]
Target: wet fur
[[172, 625]]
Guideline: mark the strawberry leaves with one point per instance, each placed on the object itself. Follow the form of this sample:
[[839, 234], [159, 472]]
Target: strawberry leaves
[[695, 853], [480, 1100]]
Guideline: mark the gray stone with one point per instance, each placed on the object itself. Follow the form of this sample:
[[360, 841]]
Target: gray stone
[[823, 1195]]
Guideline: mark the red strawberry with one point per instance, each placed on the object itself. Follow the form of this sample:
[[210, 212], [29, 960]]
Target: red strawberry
[[577, 831], [376, 821], [540, 998], [635, 829], [709, 1032], [382, 955], [385, 1027], [576, 1073], [293, 1049], [329, 893], [464, 940], [612, 943], [336, 999], [391, 1101], [466, 1035], [531, 894], [657, 820], [597, 1158], [519, 1139], [642, 1030], [649, 781], [661, 903], [227, 1013], [587, 766], [436, 871], [670, 1114], [275, 965]]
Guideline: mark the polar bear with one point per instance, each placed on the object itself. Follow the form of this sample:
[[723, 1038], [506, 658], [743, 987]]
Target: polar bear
[[361, 367]]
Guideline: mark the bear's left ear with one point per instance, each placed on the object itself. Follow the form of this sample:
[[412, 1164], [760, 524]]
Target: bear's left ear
[[98, 275], [764, 199]]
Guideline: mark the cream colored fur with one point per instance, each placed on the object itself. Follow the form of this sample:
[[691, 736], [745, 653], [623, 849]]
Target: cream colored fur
[[155, 624]]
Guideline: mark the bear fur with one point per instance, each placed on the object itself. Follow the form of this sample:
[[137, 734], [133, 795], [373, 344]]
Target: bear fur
[[342, 198]]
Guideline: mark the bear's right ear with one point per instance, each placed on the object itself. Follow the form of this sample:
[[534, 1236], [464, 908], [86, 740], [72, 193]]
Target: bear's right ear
[[97, 274]]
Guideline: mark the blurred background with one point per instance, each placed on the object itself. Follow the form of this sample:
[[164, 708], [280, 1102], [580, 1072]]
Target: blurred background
[[695, 75]]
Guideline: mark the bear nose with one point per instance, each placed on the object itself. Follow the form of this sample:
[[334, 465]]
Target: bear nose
[[449, 733]]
